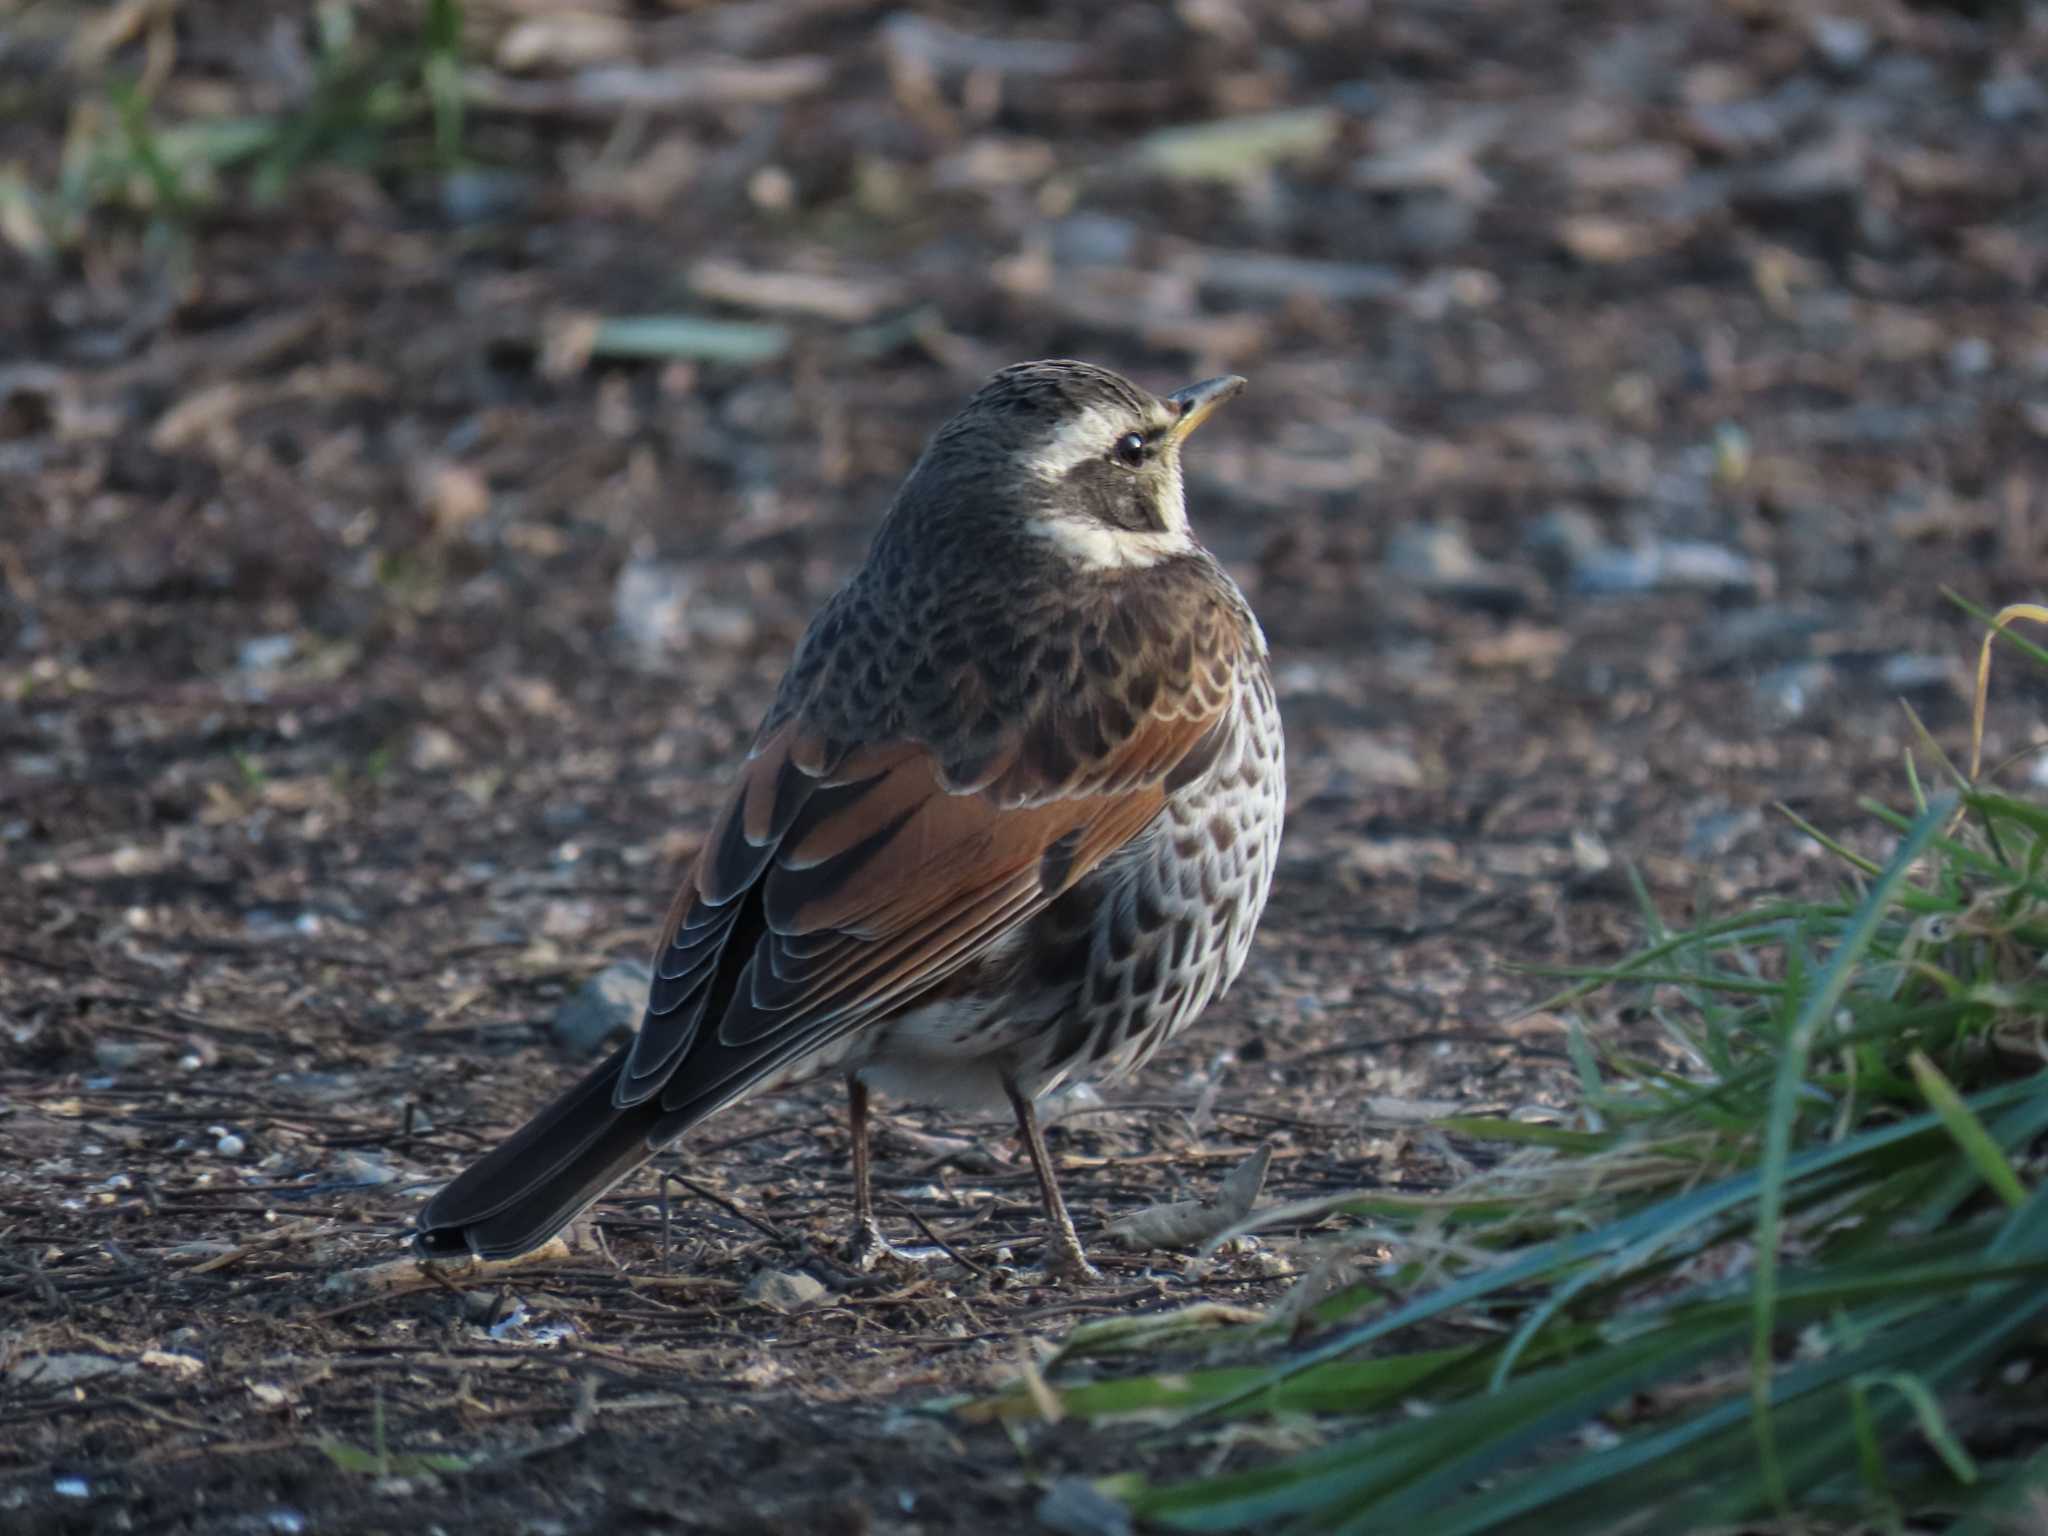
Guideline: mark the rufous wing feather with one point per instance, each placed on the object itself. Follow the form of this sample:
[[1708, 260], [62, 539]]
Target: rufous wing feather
[[835, 889]]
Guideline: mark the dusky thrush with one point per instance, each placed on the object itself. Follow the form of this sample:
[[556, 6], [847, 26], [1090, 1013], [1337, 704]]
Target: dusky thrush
[[1010, 820]]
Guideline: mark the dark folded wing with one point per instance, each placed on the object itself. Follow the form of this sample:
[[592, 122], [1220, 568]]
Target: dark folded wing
[[835, 888]]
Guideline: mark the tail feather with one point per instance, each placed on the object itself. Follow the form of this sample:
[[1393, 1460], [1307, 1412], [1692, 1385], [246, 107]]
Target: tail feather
[[545, 1173]]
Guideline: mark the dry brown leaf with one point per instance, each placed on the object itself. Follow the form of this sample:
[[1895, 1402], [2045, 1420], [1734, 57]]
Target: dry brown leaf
[[562, 41], [1186, 1223], [796, 293], [1605, 241], [453, 495]]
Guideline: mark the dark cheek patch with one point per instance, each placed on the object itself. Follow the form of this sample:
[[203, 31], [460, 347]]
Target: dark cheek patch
[[1114, 497]]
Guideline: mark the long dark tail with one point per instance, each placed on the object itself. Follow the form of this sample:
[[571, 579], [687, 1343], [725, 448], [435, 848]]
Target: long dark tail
[[523, 1192]]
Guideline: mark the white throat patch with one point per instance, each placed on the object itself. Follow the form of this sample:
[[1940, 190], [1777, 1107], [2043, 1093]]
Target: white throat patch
[[1103, 548]]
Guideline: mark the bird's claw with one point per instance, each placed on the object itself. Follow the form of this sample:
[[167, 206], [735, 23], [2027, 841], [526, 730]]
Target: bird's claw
[[870, 1251], [1066, 1264]]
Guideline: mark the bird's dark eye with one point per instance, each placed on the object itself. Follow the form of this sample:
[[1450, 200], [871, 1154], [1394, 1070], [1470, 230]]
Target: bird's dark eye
[[1130, 449]]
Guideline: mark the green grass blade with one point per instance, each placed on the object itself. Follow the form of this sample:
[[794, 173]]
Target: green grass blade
[[1839, 849], [689, 336], [1690, 1209], [1533, 1133], [1480, 1433], [1773, 1170], [1968, 1131], [1713, 1450], [1869, 1457], [2017, 1127], [1732, 932], [1933, 1422], [1741, 985], [1342, 1386]]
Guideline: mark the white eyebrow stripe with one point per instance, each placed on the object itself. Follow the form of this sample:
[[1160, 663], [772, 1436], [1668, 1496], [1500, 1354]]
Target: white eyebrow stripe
[[1087, 436]]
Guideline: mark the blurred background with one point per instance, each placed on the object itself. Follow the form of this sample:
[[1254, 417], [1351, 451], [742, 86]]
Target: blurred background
[[426, 428]]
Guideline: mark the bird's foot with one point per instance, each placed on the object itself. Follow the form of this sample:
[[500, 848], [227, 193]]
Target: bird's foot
[[1065, 1264], [870, 1251]]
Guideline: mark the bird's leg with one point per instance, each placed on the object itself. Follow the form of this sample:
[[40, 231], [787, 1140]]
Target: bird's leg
[[667, 1248], [869, 1246], [1064, 1260]]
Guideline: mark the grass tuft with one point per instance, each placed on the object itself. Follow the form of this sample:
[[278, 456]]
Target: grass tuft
[[373, 103], [1802, 1280]]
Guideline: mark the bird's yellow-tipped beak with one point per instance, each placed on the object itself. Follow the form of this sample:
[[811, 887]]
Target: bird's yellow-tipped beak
[[1197, 402]]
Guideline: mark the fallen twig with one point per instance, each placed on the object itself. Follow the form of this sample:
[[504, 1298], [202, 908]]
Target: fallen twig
[[930, 1236], [397, 1276]]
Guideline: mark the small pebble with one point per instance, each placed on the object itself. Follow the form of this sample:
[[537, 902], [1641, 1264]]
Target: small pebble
[[366, 1168], [605, 1009], [1670, 565], [1094, 240], [1073, 1506], [1714, 832], [119, 1055], [513, 1322], [1437, 559], [1909, 672], [1970, 357], [781, 1290], [1561, 539], [1789, 692], [1596, 1436], [266, 653], [1842, 42], [64, 1370], [474, 196], [2009, 98]]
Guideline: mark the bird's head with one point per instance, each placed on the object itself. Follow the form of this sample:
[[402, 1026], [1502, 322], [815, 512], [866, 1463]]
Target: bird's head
[[1076, 455]]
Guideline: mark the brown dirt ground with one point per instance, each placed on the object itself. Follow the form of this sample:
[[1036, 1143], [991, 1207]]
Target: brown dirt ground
[[322, 895]]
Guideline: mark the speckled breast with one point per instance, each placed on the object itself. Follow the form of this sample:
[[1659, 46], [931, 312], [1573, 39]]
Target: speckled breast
[[1176, 911]]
